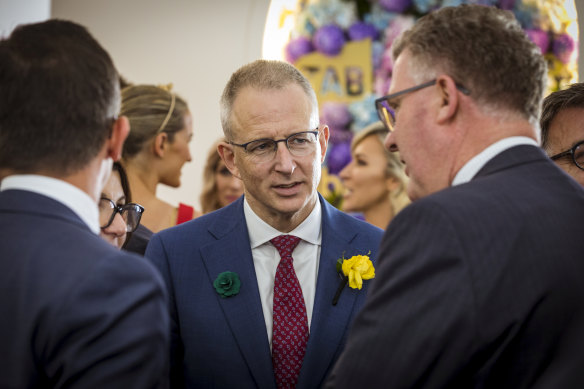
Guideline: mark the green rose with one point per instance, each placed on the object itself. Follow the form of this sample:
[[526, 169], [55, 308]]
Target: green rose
[[227, 284]]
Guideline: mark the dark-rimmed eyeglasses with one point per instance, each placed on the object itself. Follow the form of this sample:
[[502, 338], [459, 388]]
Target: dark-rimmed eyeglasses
[[263, 150], [576, 153], [131, 213], [385, 110]]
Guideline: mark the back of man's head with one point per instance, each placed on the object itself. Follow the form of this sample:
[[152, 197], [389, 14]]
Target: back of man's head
[[59, 97], [484, 49]]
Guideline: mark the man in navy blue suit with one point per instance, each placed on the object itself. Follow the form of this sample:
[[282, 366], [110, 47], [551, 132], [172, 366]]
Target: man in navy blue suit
[[74, 311], [229, 276], [479, 281]]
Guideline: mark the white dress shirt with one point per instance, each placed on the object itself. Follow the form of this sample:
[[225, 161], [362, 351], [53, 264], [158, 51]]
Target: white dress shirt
[[69, 195], [266, 258], [476, 163]]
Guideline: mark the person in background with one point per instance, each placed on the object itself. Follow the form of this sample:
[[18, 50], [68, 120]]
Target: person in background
[[562, 133], [220, 187], [374, 180], [155, 152], [118, 216], [254, 286], [479, 280], [75, 311]]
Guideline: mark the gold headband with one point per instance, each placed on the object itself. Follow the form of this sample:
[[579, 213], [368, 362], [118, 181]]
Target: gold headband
[[170, 110]]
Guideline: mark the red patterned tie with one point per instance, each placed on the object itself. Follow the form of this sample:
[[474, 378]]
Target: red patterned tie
[[290, 332]]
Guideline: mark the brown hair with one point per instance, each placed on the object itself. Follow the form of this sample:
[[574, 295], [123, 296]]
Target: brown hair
[[483, 48], [209, 200], [59, 98], [150, 110], [572, 97]]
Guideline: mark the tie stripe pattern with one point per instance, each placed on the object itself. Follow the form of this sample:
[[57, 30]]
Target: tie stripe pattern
[[290, 331]]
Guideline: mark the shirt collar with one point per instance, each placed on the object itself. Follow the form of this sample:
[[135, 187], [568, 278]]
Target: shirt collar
[[476, 163], [69, 195], [261, 232]]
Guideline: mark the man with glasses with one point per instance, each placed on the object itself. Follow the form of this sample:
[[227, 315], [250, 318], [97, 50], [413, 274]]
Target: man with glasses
[[479, 280], [75, 312], [562, 130], [252, 284]]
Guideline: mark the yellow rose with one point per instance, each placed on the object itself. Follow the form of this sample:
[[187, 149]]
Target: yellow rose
[[358, 268]]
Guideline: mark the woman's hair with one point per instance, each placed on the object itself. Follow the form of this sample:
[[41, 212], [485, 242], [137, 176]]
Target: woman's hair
[[123, 180], [118, 167], [150, 110], [394, 167], [209, 199]]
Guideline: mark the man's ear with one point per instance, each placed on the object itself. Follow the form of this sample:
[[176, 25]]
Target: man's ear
[[225, 150], [159, 144], [323, 138], [449, 103], [120, 131]]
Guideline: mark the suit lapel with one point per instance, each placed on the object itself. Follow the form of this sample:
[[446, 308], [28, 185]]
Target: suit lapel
[[329, 323], [243, 312]]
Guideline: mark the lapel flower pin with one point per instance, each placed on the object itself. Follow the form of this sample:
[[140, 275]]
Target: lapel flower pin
[[227, 284], [353, 271]]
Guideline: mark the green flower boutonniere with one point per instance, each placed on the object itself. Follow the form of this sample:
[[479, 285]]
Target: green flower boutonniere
[[227, 284], [353, 271]]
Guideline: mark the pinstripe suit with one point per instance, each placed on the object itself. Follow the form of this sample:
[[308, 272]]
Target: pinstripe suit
[[479, 285]]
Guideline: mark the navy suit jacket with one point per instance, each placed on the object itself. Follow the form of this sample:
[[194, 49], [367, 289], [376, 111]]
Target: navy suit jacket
[[222, 342], [480, 285], [75, 312]]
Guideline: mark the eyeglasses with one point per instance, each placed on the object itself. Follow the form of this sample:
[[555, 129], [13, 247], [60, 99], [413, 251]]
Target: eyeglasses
[[263, 150], [386, 112], [131, 213], [576, 152]]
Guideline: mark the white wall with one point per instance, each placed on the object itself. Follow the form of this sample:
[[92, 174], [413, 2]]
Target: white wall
[[15, 12], [195, 44]]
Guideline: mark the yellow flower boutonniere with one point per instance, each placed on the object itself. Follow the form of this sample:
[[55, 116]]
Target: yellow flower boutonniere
[[353, 271]]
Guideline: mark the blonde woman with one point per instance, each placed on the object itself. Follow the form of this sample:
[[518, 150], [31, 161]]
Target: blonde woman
[[374, 180], [156, 150], [220, 187]]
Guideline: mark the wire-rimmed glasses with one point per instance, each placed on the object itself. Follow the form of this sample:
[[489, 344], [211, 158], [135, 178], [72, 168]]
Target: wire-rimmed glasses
[[131, 213], [385, 110], [263, 150], [576, 153]]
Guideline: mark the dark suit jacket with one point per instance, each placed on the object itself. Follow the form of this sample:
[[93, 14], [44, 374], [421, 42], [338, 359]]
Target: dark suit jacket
[[74, 311], [480, 285], [222, 342]]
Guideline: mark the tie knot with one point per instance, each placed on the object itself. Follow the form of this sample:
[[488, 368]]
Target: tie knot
[[285, 244]]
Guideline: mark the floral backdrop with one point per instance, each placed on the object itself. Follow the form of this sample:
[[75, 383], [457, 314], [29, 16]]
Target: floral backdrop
[[322, 30]]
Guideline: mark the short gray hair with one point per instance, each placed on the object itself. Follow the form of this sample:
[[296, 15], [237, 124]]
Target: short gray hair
[[264, 75]]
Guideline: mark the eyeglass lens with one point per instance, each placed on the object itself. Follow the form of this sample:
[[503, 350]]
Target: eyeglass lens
[[299, 144], [578, 155], [386, 114], [130, 213]]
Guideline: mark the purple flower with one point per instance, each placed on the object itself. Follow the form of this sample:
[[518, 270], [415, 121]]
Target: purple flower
[[563, 46], [397, 6], [298, 47], [339, 135], [359, 31], [339, 156], [507, 4], [329, 40], [336, 114], [540, 38]]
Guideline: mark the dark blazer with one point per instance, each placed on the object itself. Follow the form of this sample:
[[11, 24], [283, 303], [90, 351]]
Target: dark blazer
[[74, 311], [480, 285], [222, 342]]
